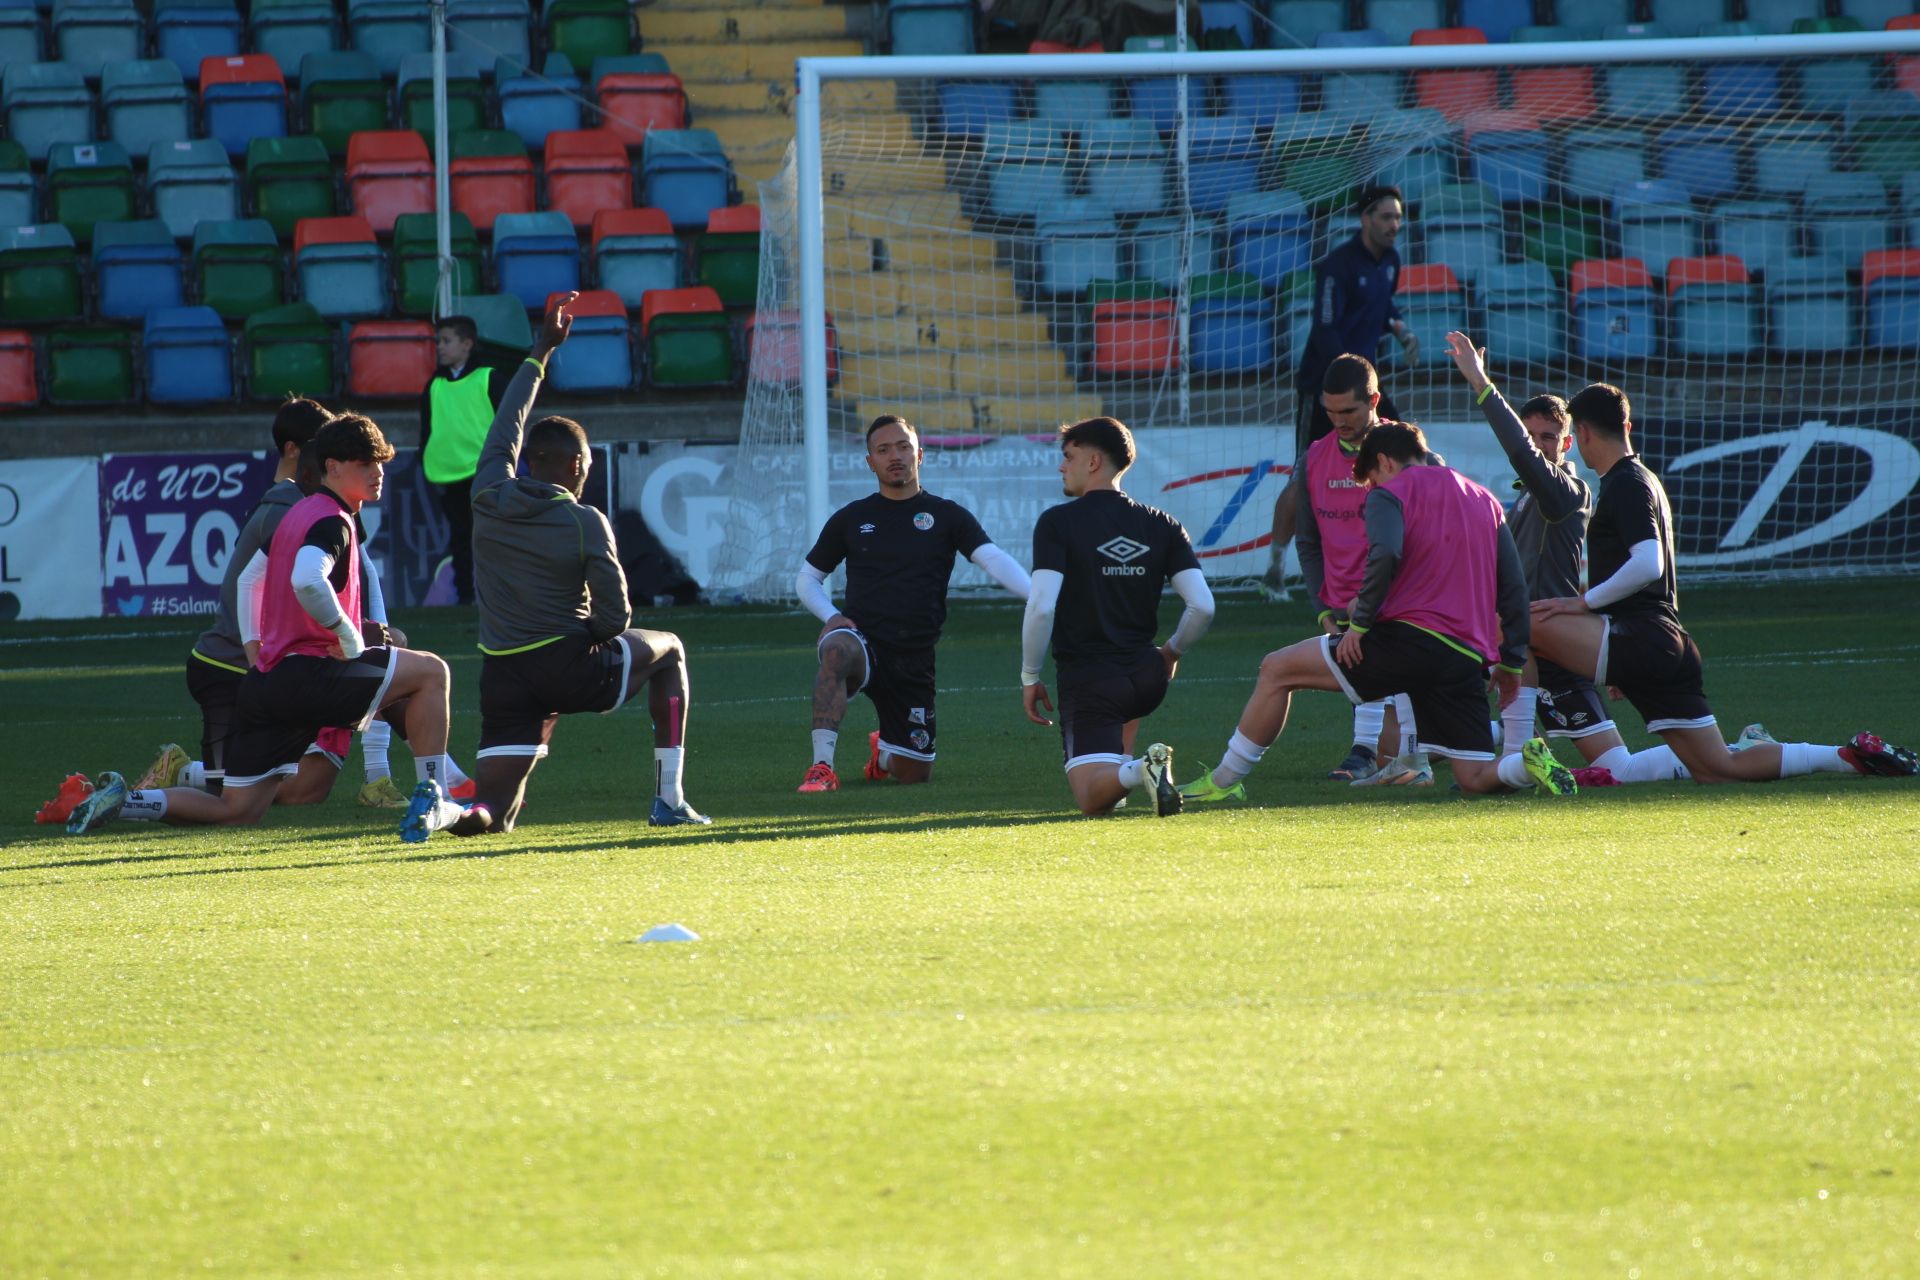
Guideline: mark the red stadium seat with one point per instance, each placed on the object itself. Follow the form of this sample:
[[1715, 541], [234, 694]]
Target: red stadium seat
[[1718, 268], [631, 222], [389, 173], [1602, 273], [633, 103], [1553, 93], [593, 302], [389, 359], [1455, 94], [678, 302], [246, 68], [735, 219], [1138, 335], [19, 382], [1054, 46], [490, 174], [351, 229], [587, 172], [1428, 277], [773, 344]]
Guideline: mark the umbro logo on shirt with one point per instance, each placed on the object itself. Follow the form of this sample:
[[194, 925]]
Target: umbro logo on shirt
[[866, 528], [1125, 550]]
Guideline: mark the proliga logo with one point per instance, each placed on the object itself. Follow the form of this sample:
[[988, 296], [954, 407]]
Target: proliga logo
[[1122, 549]]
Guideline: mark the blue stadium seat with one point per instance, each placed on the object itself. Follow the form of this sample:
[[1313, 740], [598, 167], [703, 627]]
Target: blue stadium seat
[[965, 108], [1299, 24], [389, 30], [1497, 19], [1600, 161], [686, 173], [1363, 38], [1891, 279], [136, 268], [1433, 304], [1074, 243], [1229, 16], [1126, 166], [1223, 156], [90, 34], [1629, 30], [1508, 155], [1269, 235], [1413, 151], [1847, 217], [1024, 168], [1827, 85], [1462, 225], [1657, 224], [1553, 33], [1786, 157], [598, 353], [243, 98], [189, 356], [1909, 191], [1526, 317], [1264, 99], [1809, 308], [289, 30], [1637, 91], [144, 103], [1614, 309], [1704, 160], [185, 31], [937, 27], [191, 182], [1156, 246], [1072, 104], [1740, 88], [1758, 232], [635, 250], [1688, 16], [488, 30], [1156, 99], [534, 255], [1397, 20], [341, 270], [535, 106], [45, 103], [20, 42], [1230, 325], [1776, 17], [1710, 307]]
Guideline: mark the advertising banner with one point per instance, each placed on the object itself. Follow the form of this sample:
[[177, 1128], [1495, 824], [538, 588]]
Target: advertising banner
[[167, 526], [49, 539]]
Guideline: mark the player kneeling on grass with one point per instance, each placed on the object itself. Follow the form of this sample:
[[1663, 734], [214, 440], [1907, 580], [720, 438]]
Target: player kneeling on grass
[[313, 670], [553, 607], [1100, 564], [899, 545], [1443, 594]]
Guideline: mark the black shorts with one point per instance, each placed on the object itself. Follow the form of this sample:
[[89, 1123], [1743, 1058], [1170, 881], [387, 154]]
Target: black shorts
[[1656, 664], [1570, 706], [900, 685], [281, 712], [217, 689], [1311, 422], [523, 695], [1094, 712], [1447, 686]]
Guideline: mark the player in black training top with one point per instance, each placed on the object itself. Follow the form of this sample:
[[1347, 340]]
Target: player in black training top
[[1625, 630], [1100, 563], [899, 546]]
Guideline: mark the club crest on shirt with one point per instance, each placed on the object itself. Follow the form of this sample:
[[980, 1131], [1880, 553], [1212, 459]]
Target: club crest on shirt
[[923, 520], [917, 715]]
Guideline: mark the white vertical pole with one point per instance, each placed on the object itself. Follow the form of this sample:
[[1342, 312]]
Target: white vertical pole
[[1182, 295], [442, 201], [813, 298]]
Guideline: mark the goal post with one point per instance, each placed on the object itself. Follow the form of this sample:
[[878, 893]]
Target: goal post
[[1003, 242]]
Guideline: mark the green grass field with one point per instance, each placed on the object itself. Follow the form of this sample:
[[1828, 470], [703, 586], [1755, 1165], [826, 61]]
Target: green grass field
[[952, 1031]]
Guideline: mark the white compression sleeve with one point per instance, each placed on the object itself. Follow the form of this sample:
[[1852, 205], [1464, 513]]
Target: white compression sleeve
[[1036, 628], [315, 594], [811, 586], [1191, 585], [1003, 569], [246, 601], [1644, 565]]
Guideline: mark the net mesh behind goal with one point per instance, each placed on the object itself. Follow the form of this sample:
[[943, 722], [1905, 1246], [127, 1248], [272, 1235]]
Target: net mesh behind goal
[[1735, 243]]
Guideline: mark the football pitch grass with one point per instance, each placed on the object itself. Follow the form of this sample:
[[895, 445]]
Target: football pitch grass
[[955, 1031]]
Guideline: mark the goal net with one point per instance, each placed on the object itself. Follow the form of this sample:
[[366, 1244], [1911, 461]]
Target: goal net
[[1728, 229]]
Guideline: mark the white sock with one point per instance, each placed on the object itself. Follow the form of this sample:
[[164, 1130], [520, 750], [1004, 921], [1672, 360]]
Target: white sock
[[668, 762], [1516, 720], [1133, 773], [431, 769], [145, 806], [886, 760], [1242, 754], [1409, 744], [454, 775], [824, 743], [373, 749], [1800, 758], [1512, 770], [1655, 764], [195, 776], [1368, 719]]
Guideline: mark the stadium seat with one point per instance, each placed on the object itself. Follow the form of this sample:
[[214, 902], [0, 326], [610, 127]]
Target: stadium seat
[[1776, 17], [1055, 46], [1299, 24], [466, 96], [1073, 104], [1074, 243], [1024, 164], [1229, 19], [683, 171], [490, 174], [1785, 157], [1229, 325], [186, 31], [1296, 302], [1135, 329], [390, 359], [585, 29], [501, 320], [143, 103], [1414, 153], [188, 356], [686, 337], [1600, 161], [1909, 190], [1464, 227], [289, 352], [19, 199], [1154, 101], [39, 274], [633, 103], [916, 28], [727, 256], [1317, 160], [341, 271], [342, 94], [634, 251], [1557, 236], [19, 378], [1883, 132], [1223, 156], [89, 35], [1657, 224], [242, 98], [1161, 250], [1710, 307], [588, 170], [1613, 309], [416, 260], [191, 182], [45, 103], [136, 269], [1740, 89], [1433, 304], [20, 43], [773, 347], [598, 354], [90, 365], [1758, 232], [1360, 95], [1507, 152], [489, 29], [89, 182], [1703, 160], [289, 31], [236, 267], [535, 106], [1640, 91], [1891, 280], [1526, 319], [1809, 308], [388, 173], [1497, 18], [1126, 166], [289, 179], [1397, 20], [1457, 94], [1630, 30], [1875, 15], [388, 30], [1269, 235], [1847, 217], [1264, 99], [534, 255], [1719, 27], [1553, 94], [966, 108]]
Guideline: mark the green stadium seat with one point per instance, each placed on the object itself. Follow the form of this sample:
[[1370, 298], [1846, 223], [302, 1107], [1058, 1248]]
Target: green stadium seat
[[416, 261], [89, 182], [19, 200], [144, 103], [1883, 132], [502, 321], [90, 365], [19, 375], [466, 96], [292, 30], [587, 29], [687, 339], [342, 94], [289, 353], [39, 274], [289, 179], [727, 258], [237, 268], [1559, 236]]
